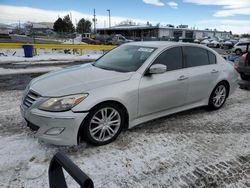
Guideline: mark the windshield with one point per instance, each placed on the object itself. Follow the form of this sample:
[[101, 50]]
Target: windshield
[[126, 58]]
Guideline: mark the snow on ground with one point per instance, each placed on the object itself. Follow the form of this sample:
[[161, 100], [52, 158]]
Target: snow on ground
[[49, 57], [4, 71], [48, 61], [166, 152]]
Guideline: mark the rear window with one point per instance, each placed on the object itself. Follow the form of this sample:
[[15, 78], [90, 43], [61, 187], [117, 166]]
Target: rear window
[[195, 56]]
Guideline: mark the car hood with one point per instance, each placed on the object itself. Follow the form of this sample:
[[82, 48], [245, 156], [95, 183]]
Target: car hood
[[76, 79]]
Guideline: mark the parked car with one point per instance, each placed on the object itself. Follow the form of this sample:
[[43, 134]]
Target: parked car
[[227, 45], [240, 47], [214, 44], [133, 83], [243, 66], [197, 41], [205, 42], [90, 41], [118, 40]]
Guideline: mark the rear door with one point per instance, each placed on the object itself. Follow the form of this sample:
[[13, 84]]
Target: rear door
[[203, 72]]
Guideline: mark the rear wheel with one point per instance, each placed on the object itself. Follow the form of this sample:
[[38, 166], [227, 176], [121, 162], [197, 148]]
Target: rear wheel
[[238, 52], [218, 96], [103, 124]]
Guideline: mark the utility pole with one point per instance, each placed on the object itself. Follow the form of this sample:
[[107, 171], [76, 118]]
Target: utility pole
[[109, 18], [94, 20]]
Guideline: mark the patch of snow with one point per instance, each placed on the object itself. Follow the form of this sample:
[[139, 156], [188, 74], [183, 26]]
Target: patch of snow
[[28, 70], [153, 154], [35, 171], [49, 57]]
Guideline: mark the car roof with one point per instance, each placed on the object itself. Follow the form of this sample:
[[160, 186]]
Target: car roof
[[161, 44]]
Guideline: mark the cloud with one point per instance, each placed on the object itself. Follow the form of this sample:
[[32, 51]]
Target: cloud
[[154, 2], [237, 26], [173, 4], [233, 12], [229, 7], [12, 14]]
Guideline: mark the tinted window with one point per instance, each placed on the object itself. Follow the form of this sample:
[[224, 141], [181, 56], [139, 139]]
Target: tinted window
[[212, 57], [195, 56], [242, 44], [172, 58]]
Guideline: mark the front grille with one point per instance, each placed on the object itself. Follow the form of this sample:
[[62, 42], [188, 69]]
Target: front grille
[[30, 98]]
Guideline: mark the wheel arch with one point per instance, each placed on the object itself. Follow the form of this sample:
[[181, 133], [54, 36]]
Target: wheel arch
[[122, 106], [237, 50], [227, 84]]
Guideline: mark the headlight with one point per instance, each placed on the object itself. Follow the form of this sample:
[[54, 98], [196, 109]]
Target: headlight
[[59, 104]]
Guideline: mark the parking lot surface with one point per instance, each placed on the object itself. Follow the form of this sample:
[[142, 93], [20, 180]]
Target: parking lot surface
[[196, 148]]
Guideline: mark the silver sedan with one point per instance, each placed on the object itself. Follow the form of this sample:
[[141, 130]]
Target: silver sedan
[[129, 85]]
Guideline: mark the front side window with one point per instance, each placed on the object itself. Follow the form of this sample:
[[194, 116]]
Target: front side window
[[172, 58], [126, 58], [195, 56]]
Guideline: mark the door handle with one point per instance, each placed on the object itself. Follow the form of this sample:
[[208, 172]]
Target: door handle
[[214, 71], [182, 78]]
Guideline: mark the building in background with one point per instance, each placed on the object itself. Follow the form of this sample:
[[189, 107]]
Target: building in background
[[149, 32], [39, 29]]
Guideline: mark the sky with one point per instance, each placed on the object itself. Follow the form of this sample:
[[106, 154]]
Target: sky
[[228, 15]]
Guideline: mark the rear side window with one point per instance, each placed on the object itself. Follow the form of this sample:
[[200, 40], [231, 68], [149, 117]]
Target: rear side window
[[195, 56], [212, 57], [241, 44], [172, 58]]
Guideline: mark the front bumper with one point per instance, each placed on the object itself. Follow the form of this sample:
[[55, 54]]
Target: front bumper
[[46, 121]]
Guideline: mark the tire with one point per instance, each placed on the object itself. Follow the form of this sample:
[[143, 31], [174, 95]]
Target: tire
[[218, 96], [100, 116], [244, 77], [238, 52]]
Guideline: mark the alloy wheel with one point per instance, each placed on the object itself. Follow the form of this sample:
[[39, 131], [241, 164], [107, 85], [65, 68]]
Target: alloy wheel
[[104, 124], [219, 96]]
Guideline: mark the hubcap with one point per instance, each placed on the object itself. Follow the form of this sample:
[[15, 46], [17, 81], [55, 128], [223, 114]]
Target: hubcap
[[219, 96], [105, 124]]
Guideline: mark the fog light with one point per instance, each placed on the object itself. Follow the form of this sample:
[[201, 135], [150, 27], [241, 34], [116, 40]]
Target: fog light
[[55, 131]]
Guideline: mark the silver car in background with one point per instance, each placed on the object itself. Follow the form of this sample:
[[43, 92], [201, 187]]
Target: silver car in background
[[129, 85]]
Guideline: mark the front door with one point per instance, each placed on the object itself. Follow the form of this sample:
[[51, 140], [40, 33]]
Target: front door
[[159, 92]]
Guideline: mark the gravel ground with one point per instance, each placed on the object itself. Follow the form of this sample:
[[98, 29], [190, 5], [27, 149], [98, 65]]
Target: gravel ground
[[196, 148]]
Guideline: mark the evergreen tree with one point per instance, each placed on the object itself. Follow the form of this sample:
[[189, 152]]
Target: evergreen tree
[[59, 25], [83, 26], [246, 35], [69, 25]]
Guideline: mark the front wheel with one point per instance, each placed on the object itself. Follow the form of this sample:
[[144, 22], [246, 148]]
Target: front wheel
[[103, 124], [218, 96]]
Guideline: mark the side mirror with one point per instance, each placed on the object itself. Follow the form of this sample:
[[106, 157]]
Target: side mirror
[[157, 69]]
